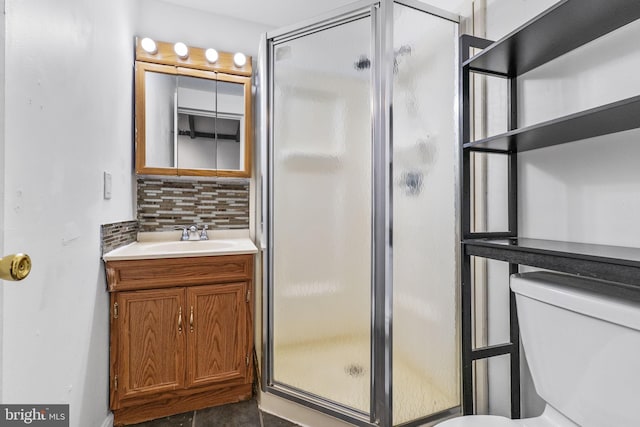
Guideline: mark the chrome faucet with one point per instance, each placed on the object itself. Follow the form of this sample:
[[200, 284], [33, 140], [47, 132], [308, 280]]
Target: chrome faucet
[[185, 233], [188, 231], [203, 233]]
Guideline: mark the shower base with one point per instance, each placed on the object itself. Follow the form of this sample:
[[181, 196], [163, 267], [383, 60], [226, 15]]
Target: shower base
[[339, 370]]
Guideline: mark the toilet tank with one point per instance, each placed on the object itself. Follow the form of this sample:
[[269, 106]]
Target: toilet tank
[[583, 348]]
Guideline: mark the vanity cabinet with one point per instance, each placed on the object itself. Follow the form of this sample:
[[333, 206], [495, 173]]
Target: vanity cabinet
[[181, 335], [217, 333], [150, 345]]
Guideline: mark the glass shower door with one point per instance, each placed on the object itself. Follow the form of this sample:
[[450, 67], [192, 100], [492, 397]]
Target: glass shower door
[[321, 213], [362, 252], [425, 269]]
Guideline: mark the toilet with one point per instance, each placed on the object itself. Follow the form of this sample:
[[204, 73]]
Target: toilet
[[583, 350]]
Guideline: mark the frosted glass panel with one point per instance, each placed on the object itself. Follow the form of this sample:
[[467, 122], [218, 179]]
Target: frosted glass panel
[[321, 235], [425, 339]]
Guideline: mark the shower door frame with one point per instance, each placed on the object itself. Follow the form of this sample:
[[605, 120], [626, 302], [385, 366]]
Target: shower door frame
[[381, 96]]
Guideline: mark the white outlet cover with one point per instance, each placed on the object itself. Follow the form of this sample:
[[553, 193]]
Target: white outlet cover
[[107, 185]]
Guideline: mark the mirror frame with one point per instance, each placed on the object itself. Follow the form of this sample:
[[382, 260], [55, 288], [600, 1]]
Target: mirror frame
[[167, 62]]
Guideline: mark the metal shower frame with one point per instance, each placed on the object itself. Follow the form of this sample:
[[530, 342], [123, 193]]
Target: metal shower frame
[[381, 13]]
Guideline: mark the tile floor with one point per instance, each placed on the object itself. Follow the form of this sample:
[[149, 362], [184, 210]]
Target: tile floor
[[243, 414]]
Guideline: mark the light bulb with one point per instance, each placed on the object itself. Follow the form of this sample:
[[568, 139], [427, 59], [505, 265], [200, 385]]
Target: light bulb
[[181, 50], [149, 46], [211, 55], [239, 59]]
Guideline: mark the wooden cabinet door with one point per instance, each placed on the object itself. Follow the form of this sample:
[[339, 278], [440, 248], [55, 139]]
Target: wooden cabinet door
[[151, 336], [217, 343]]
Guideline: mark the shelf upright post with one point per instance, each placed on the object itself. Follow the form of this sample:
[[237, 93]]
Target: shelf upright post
[[466, 43], [465, 180], [514, 332]]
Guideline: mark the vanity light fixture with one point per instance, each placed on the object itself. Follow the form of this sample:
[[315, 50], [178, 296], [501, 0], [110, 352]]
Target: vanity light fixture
[[239, 59], [181, 50], [149, 46], [211, 55]]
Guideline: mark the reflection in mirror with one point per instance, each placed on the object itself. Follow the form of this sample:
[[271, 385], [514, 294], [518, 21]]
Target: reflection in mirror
[[230, 125], [159, 113], [210, 118], [196, 116]]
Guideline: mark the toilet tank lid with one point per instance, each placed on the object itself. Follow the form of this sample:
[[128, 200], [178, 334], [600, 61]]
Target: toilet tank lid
[[560, 290]]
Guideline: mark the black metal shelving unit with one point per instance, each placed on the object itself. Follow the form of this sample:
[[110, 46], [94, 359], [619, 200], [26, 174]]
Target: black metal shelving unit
[[560, 29]]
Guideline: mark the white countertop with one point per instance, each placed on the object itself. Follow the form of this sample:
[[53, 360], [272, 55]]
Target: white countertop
[[167, 244]]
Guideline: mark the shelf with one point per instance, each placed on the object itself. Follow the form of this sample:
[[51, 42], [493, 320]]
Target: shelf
[[615, 117], [567, 25], [611, 263], [556, 31]]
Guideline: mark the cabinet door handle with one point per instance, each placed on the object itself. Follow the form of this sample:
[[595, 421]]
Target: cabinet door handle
[[180, 319], [191, 320]]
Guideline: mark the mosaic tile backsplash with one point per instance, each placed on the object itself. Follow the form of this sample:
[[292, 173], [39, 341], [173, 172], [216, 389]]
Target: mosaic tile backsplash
[[117, 234], [167, 203]]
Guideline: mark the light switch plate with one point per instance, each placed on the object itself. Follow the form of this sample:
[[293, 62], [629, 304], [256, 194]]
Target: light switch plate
[[107, 185]]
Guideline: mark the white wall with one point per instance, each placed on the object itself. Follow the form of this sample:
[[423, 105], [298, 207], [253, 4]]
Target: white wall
[[2, 157], [68, 118], [69, 113], [587, 191], [168, 22]]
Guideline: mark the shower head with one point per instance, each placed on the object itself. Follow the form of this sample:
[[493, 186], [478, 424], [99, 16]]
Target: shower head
[[364, 63], [405, 49]]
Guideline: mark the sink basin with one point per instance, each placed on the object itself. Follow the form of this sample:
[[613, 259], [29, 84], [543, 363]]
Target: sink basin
[[150, 249], [190, 246]]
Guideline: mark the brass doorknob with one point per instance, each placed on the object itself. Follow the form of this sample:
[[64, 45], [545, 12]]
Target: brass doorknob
[[15, 267]]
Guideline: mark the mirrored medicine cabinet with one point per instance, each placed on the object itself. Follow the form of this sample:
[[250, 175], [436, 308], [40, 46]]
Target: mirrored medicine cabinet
[[193, 116]]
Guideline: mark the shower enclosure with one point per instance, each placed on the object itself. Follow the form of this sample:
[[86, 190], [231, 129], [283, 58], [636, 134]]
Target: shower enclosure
[[360, 172]]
